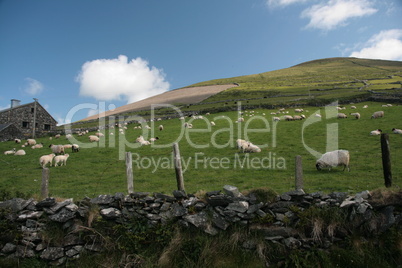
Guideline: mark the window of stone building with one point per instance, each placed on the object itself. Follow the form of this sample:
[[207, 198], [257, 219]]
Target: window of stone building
[[32, 110], [46, 127], [25, 124]]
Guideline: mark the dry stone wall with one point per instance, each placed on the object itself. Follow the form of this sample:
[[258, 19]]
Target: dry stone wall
[[278, 222]]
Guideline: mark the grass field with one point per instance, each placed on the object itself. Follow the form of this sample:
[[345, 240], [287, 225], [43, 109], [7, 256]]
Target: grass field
[[210, 159]]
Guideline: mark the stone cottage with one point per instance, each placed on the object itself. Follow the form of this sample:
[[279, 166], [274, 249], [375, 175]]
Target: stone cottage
[[18, 121]]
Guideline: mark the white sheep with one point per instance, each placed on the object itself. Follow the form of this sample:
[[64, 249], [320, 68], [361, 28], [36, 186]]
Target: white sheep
[[20, 152], [356, 115], [288, 118], [275, 118], [37, 146], [17, 140], [57, 149], [93, 138], [317, 115], [212, 123], [242, 144], [160, 127], [57, 136], [45, 159], [10, 151], [365, 106], [252, 148], [376, 132], [31, 141], [334, 159], [75, 148], [240, 119], [297, 117], [188, 125], [352, 107], [99, 134], [67, 146], [377, 114], [397, 130], [62, 159], [342, 115], [141, 140]]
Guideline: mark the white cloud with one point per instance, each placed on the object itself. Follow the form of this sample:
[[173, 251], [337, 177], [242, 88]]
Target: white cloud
[[386, 45], [116, 79], [34, 87], [283, 3], [336, 13]]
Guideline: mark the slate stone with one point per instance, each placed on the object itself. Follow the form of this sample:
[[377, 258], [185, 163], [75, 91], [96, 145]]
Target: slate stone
[[219, 221], [179, 194], [46, 203], [165, 197], [241, 206], [178, 210], [8, 248], [15, 204], [24, 252], [110, 213], [231, 191], [102, 200], [219, 200], [63, 215], [139, 194], [30, 215], [52, 253]]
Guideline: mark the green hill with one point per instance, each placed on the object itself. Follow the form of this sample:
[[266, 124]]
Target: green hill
[[315, 82]]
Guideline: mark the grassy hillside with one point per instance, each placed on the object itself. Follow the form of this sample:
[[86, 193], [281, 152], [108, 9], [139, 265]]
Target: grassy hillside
[[210, 159], [318, 81]]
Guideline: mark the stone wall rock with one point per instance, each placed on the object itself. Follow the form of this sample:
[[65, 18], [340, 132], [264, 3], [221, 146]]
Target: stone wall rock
[[275, 221]]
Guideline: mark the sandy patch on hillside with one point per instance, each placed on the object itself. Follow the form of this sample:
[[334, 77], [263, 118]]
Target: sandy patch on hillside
[[186, 95]]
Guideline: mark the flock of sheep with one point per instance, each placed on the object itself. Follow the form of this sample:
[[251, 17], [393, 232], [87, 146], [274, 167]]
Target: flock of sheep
[[327, 160], [58, 154]]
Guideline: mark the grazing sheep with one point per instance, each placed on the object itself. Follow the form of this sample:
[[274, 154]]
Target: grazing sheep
[[298, 110], [68, 136], [188, 125], [160, 127], [62, 159], [356, 115], [297, 117], [212, 123], [252, 148], [93, 138], [75, 148], [240, 119], [334, 159], [376, 132], [17, 141], [31, 142], [20, 152], [57, 149], [365, 106], [317, 115], [275, 118], [377, 114], [342, 115], [99, 134], [352, 107], [397, 130], [242, 144], [45, 159], [10, 151], [288, 118], [153, 139], [57, 136], [37, 146], [67, 146], [141, 140]]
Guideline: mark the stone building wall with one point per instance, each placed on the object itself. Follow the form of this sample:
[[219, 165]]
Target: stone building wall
[[22, 117]]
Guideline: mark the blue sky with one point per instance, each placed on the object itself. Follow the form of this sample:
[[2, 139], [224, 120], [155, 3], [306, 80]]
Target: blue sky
[[71, 53]]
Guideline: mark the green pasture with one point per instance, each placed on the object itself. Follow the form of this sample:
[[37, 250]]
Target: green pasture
[[210, 159]]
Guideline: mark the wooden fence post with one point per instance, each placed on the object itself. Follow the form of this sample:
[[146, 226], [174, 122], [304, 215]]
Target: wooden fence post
[[177, 167], [129, 172], [298, 172], [386, 159], [45, 183]]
